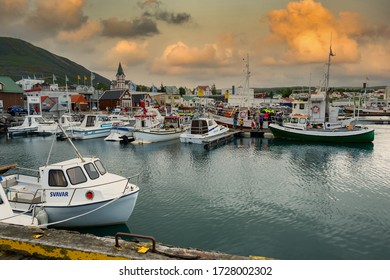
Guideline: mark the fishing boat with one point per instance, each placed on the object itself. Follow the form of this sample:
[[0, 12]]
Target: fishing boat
[[313, 120], [8, 216], [92, 126], [29, 125], [171, 129], [78, 192], [146, 118], [66, 120], [202, 129]]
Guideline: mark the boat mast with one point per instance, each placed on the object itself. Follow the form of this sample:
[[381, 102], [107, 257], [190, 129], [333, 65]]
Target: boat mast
[[71, 143]]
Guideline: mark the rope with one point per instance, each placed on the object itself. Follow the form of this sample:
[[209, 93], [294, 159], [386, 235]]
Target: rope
[[81, 215]]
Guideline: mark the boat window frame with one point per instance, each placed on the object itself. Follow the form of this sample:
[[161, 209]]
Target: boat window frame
[[59, 171], [76, 178], [89, 171], [97, 163]]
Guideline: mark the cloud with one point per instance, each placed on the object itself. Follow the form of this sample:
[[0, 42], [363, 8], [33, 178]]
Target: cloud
[[153, 10], [86, 31], [128, 53], [302, 33], [12, 9], [53, 16], [139, 27], [181, 59]]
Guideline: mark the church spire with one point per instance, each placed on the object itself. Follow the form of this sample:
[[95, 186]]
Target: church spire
[[120, 70]]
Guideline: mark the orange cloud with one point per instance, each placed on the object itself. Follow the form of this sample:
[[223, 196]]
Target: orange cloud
[[304, 30], [86, 31], [181, 59], [56, 15], [128, 53]]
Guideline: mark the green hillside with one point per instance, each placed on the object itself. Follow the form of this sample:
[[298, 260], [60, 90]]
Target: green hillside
[[19, 59]]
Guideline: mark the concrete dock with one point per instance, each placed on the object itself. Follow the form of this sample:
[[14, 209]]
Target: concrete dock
[[18, 242]]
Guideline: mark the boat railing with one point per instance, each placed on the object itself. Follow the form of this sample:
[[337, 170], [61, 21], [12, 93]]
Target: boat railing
[[129, 183], [28, 172]]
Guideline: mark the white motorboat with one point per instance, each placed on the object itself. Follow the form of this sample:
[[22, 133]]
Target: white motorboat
[[78, 192], [10, 217], [29, 125], [202, 129], [66, 121], [145, 119], [171, 129], [92, 126]]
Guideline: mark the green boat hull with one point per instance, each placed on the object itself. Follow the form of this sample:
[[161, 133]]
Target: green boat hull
[[363, 135]]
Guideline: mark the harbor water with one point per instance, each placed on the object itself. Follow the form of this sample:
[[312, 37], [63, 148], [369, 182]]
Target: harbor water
[[252, 196]]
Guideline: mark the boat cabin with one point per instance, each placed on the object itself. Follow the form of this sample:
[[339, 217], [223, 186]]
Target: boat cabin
[[202, 125]]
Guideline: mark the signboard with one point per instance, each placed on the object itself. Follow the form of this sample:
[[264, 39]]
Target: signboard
[[34, 99]]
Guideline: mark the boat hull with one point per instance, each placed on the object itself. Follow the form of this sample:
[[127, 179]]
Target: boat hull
[[201, 138], [156, 136], [90, 134], [103, 213], [363, 135]]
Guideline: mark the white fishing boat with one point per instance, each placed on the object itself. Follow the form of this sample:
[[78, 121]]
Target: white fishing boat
[[92, 126], [66, 121], [202, 129], [171, 129], [8, 216], [147, 118], [29, 125], [78, 192]]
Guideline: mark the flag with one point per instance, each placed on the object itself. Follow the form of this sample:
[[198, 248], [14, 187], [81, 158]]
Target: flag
[[54, 78], [92, 76], [154, 89], [85, 78], [66, 78], [331, 52], [78, 77], [133, 87]]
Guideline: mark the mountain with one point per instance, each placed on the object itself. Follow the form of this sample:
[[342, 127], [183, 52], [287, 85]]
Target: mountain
[[19, 59]]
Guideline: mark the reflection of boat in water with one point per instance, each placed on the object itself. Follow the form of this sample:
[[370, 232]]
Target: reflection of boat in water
[[79, 192], [277, 142]]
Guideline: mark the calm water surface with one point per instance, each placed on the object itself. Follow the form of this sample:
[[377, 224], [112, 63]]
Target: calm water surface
[[252, 196]]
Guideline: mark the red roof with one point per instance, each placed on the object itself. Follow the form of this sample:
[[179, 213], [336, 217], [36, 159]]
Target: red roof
[[78, 99]]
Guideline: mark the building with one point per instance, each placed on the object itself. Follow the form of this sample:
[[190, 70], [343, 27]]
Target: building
[[10, 93], [121, 82], [202, 91]]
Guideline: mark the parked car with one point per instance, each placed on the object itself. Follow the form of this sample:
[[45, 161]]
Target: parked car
[[16, 110]]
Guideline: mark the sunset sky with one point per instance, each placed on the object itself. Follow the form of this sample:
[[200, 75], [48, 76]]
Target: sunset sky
[[203, 42]]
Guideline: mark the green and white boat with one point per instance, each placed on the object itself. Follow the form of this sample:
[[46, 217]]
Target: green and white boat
[[312, 119], [300, 128]]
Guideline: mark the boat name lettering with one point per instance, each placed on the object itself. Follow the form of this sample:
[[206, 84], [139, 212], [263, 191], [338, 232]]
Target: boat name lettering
[[55, 194]]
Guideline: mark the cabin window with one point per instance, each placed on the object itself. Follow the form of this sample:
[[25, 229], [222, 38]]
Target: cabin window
[[91, 171], [90, 121], [76, 175], [302, 121], [57, 178], [100, 167], [199, 127], [302, 106]]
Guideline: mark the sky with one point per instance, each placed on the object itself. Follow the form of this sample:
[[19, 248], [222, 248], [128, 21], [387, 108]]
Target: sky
[[206, 42]]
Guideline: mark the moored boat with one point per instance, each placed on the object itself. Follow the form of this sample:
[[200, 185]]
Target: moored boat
[[92, 126], [79, 192], [202, 129], [171, 129]]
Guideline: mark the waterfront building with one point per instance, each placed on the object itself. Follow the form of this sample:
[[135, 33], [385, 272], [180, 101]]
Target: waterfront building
[[10, 93]]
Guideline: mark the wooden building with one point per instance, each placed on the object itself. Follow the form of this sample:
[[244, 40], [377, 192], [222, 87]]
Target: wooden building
[[10, 93]]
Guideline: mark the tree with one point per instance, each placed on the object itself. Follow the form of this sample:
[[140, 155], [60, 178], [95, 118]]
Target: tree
[[162, 89], [213, 90], [182, 91]]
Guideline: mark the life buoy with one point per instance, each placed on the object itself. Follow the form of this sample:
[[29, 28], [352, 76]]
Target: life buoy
[[242, 114], [316, 109]]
